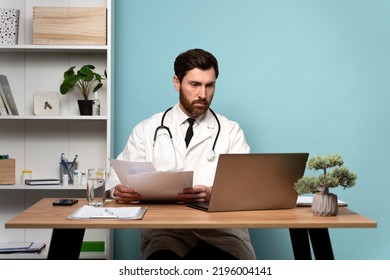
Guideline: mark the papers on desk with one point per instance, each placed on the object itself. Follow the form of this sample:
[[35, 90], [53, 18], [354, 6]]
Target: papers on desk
[[307, 200], [124, 213], [21, 247], [151, 184]]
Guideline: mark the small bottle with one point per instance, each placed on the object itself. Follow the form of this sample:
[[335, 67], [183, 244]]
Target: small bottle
[[83, 179], [96, 105], [26, 175], [65, 179], [76, 177]]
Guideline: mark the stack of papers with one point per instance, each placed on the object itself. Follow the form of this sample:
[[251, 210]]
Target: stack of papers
[[92, 212], [151, 184], [21, 247]]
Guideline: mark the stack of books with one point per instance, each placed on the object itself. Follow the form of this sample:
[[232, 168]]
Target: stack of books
[[33, 182], [21, 247]]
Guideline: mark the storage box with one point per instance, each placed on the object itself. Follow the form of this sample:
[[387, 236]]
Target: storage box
[[69, 26], [7, 171], [9, 26]]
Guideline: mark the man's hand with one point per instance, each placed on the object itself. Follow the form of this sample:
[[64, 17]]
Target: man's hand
[[198, 193], [125, 194]]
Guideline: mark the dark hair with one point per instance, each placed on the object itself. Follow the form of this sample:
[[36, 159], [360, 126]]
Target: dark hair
[[195, 58]]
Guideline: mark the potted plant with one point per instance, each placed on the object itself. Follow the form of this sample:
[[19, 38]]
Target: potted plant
[[85, 80], [334, 174]]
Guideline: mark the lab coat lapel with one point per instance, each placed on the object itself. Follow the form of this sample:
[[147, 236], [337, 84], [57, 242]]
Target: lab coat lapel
[[178, 138]]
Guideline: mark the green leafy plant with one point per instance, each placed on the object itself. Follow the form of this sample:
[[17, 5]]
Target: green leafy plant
[[334, 174], [85, 80]]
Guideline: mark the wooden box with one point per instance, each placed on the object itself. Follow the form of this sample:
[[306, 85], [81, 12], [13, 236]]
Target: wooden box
[[7, 171], [69, 26]]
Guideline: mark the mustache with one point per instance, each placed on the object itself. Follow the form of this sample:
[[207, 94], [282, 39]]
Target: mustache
[[201, 101]]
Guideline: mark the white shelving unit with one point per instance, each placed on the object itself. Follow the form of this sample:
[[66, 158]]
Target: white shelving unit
[[36, 142]]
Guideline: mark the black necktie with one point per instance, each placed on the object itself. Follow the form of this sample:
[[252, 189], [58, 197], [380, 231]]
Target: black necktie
[[190, 131]]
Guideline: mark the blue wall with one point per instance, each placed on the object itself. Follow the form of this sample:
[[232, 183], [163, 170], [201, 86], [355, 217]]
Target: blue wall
[[304, 75]]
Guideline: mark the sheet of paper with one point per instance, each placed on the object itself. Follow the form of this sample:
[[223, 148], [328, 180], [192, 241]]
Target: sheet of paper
[[307, 200], [91, 212], [149, 183]]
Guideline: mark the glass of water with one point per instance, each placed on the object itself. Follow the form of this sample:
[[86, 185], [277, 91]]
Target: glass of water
[[96, 188]]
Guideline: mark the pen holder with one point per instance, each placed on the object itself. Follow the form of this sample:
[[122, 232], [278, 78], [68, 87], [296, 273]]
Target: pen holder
[[7, 171], [67, 168]]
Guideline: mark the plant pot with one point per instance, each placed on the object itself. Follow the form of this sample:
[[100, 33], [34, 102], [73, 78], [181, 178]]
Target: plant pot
[[325, 205], [85, 107]]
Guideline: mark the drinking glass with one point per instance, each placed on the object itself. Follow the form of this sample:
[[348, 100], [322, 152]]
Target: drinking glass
[[96, 188]]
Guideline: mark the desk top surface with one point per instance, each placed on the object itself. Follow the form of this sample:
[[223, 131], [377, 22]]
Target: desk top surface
[[44, 215]]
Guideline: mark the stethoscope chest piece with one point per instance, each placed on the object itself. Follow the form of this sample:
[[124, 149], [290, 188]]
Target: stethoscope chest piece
[[210, 155]]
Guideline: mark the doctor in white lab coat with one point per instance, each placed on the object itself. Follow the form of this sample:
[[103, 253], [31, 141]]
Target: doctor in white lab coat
[[195, 77]]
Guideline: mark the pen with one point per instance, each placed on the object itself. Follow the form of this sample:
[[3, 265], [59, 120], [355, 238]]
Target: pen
[[73, 162], [63, 163], [108, 211]]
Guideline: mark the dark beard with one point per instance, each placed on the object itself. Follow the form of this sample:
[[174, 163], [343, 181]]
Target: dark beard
[[190, 107]]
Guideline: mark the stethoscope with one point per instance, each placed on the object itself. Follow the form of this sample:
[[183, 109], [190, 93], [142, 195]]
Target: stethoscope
[[211, 154]]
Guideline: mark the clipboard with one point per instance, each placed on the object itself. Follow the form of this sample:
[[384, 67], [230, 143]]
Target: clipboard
[[87, 212]]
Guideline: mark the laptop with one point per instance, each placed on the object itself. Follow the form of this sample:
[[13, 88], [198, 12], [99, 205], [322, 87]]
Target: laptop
[[255, 182]]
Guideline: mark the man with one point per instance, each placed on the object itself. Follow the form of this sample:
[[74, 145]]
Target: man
[[196, 72]]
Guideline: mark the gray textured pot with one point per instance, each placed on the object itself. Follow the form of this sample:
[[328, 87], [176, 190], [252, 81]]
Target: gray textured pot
[[325, 205]]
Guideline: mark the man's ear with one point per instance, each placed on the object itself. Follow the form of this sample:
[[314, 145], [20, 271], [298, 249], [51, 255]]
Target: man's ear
[[176, 83]]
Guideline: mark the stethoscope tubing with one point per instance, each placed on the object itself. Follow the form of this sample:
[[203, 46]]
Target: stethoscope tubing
[[162, 126]]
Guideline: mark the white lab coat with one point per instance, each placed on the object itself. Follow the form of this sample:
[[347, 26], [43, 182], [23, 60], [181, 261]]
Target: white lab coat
[[231, 140]]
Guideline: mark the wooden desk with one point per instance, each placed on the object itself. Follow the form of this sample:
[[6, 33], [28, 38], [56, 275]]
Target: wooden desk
[[68, 235]]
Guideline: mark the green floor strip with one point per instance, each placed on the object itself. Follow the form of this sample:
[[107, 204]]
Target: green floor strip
[[92, 246]]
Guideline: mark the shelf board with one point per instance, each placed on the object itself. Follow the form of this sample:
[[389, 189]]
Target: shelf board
[[42, 187], [43, 255], [52, 48], [30, 117]]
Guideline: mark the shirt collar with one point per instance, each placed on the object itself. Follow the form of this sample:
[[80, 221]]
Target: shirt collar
[[182, 117]]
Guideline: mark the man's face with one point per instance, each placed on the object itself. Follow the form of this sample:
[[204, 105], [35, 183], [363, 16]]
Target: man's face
[[196, 91]]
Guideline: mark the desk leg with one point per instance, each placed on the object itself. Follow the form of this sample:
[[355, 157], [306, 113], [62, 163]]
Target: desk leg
[[300, 243], [65, 244], [320, 241]]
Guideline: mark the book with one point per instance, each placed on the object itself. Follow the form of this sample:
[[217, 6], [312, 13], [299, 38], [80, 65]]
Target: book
[[3, 105], [6, 246], [21, 247], [9, 26], [42, 182], [305, 201], [3, 110], [7, 96]]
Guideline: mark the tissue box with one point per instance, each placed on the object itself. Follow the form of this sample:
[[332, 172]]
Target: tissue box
[[7, 171], [9, 26], [69, 26]]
